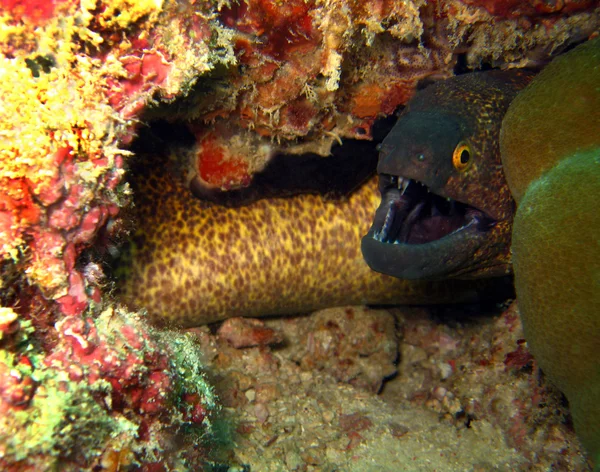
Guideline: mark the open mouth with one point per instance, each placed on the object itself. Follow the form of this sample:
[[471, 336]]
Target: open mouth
[[419, 234], [410, 214]]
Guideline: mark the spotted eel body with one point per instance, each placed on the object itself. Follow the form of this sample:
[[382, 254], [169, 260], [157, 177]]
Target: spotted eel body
[[192, 262]]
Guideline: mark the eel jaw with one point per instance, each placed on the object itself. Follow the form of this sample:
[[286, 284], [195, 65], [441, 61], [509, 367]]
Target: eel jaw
[[418, 234]]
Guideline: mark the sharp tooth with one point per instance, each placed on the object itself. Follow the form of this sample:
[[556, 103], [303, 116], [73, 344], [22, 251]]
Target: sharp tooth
[[403, 185]]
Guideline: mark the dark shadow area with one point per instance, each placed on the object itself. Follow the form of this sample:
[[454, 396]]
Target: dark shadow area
[[348, 166]]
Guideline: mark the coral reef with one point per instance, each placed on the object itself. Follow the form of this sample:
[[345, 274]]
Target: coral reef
[[110, 387], [466, 395], [85, 383], [550, 150]]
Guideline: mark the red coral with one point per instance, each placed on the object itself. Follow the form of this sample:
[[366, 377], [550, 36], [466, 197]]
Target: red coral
[[37, 11], [218, 167], [16, 198], [136, 371], [147, 70], [151, 399], [76, 301], [196, 411]]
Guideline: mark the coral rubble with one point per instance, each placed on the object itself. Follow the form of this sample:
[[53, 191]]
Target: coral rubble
[[467, 395], [83, 382]]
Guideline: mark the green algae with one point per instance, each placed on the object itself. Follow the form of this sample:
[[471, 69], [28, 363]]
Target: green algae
[[191, 378], [63, 418]]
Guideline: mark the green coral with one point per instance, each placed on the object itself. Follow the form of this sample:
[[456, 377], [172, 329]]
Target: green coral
[[556, 246], [557, 115], [550, 143]]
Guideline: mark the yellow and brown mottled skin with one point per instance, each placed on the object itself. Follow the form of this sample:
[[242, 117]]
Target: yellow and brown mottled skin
[[192, 262], [465, 110]]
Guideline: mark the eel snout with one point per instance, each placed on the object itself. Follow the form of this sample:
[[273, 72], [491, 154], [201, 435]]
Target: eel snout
[[425, 230], [411, 214]]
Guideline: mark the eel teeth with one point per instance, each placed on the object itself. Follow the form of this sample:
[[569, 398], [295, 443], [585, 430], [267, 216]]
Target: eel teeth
[[403, 185]]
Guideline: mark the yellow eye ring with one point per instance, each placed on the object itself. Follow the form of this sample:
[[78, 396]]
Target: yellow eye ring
[[462, 156]]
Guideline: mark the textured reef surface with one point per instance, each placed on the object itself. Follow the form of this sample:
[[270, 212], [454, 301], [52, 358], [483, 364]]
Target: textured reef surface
[[88, 384], [466, 396], [551, 151]]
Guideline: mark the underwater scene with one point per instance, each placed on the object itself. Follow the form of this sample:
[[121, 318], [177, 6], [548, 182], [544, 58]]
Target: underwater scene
[[303, 235]]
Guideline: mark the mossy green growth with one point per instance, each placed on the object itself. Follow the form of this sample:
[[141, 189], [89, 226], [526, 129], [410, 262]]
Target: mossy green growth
[[190, 378], [557, 115], [217, 430], [556, 254], [63, 418]]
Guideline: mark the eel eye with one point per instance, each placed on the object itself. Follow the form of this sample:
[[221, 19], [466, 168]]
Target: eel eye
[[462, 156]]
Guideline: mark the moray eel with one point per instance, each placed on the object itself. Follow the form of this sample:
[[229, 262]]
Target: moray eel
[[446, 210], [550, 144], [193, 262]]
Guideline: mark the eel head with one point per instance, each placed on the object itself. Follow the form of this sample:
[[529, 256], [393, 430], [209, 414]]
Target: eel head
[[445, 207]]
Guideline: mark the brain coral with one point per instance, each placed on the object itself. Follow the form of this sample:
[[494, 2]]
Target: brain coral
[[557, 268], [551, 153], [556, 115]]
